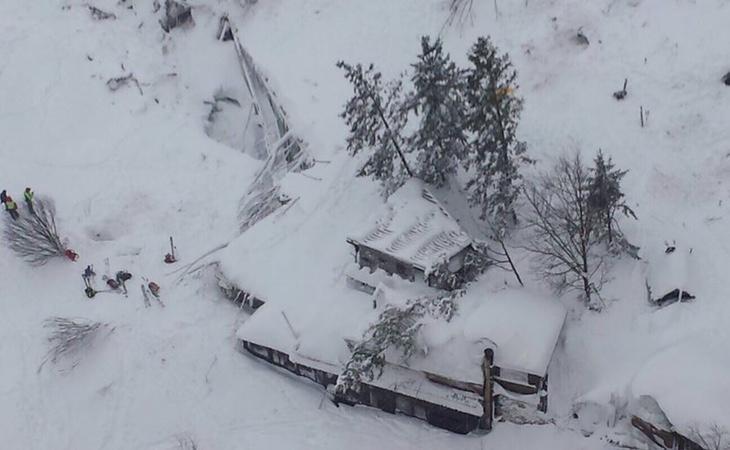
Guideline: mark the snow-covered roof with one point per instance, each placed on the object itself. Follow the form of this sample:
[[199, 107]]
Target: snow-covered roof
[[268, 327], [521, 327], [415, 228]]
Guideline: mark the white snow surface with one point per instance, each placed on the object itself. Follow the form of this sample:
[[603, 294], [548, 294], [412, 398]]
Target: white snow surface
[[704, 378], [127, 170]]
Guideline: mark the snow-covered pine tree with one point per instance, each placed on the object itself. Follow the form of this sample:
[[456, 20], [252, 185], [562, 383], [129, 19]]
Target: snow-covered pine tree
[[495, 152], [397, 330], [376, 118], [605, 197], [438, 99]]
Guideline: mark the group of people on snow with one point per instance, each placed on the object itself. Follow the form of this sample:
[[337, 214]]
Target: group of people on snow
[[88, 275], [11, 207], [116, 284]]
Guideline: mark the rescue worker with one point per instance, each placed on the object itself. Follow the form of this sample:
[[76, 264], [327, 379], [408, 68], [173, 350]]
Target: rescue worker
[[89, 271], [111, 282], [122, 277], [11, 207], [88, 276], [28, 196], [154, 288]]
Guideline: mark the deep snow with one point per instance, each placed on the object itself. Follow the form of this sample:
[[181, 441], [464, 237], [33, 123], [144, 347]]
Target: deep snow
[[127, 170]]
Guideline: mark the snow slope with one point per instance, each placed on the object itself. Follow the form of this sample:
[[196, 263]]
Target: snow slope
[[127, 170]]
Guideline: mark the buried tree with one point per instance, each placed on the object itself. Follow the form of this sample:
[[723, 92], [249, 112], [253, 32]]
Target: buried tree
[[33, 236]]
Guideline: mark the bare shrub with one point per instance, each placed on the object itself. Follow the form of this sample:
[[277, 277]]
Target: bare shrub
[[116, 83], [712, 437], [33, 236], [68, 338], [186, 442], [99, 14], [459, 12]]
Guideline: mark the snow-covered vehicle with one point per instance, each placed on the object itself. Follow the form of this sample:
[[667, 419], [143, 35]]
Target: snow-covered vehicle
[[668, 278]]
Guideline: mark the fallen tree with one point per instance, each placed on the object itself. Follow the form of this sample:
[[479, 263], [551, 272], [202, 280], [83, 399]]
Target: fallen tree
[[33, 236], [68, 338]]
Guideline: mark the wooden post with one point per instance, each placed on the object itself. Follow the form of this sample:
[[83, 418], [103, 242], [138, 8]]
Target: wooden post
[[487, 365], [172, 248], [641, 115], [542, 405]]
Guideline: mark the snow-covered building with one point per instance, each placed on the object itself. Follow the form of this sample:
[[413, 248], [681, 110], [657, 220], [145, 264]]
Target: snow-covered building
[[444, 382], [412, 237], [307, 323]]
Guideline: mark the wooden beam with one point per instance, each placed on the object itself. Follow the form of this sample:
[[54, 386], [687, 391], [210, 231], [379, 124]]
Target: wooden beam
[[488, 397]]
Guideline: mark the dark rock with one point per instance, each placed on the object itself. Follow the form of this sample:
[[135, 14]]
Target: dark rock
[[98, 14], [581, 38], [177, 14], [224, 30]]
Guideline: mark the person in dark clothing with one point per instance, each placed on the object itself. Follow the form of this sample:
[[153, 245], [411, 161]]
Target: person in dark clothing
[[89, 271], [88, 276], [11, 207], [3, 196], [122, 277]]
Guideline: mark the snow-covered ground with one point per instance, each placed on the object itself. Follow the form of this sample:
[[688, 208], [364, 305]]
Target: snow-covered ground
[[129, 169]]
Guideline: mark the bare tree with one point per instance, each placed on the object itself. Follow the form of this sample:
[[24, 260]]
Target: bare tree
[[459, 12], [68, 337], [33, 236], [501, 258], [186, 442], [563, 229], [713, 437]]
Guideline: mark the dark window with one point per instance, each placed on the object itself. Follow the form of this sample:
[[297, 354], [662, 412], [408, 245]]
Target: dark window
[[403, 405]]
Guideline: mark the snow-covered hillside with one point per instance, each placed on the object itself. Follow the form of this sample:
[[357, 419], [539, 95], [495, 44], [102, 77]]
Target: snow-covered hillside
[[129, 168]]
